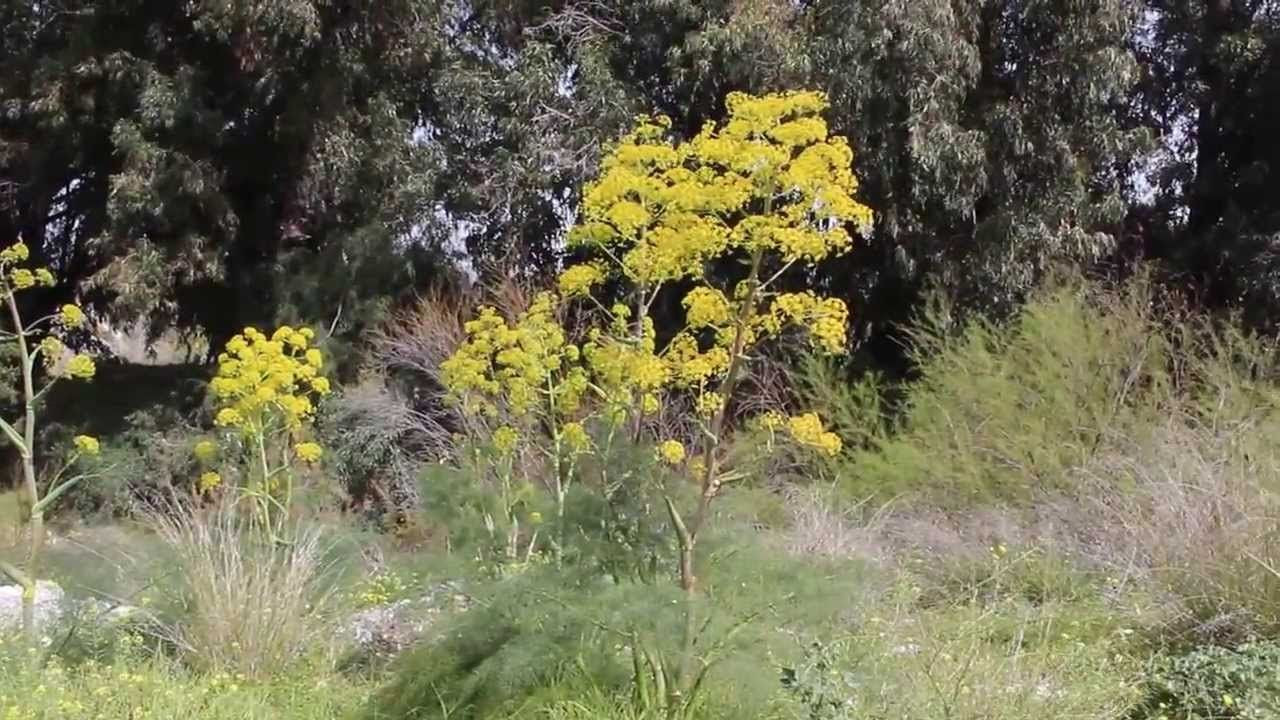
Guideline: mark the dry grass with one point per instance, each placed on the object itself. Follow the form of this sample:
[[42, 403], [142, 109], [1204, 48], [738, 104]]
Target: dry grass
[[1192, 513], [253, 607]]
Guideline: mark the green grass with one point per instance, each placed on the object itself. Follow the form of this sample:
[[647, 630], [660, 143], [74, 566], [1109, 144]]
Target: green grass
[[159, 690]]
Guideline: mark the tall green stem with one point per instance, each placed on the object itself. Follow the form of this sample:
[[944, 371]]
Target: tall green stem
[[30, 491]]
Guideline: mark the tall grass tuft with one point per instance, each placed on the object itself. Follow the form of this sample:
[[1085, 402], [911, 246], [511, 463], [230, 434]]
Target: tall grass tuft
[[251, 606]]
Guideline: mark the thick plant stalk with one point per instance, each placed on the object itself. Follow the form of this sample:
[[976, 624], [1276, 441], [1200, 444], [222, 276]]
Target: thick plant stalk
[[30, 491], [688, 677]]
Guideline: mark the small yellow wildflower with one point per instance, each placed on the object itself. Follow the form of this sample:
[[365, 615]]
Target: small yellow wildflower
[[45, 278], [314, 358], [671, 452], [86, 444], [308, 451]]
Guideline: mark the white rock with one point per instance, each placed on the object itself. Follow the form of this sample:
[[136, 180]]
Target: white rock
[[386, 630], [49, 604]]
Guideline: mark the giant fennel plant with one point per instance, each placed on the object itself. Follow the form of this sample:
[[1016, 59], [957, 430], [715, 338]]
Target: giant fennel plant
[[38, 344], [265, 391], [768, 186]]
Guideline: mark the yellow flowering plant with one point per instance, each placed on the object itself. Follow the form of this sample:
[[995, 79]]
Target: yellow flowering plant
[[38, 347], [524, 375], [265, 393], [769, 187]]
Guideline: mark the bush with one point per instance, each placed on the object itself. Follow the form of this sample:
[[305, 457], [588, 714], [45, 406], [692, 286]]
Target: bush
[[523, 644], [1002, 412], [1199, 523], [1215, 683]]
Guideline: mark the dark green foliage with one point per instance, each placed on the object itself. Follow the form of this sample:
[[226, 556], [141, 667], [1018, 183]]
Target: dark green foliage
[[214, 164], [988, 140], [1211, 91], [1214, 683], [143, 415]]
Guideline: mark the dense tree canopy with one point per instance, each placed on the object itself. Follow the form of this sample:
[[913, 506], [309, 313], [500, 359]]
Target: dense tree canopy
[[212, 162]]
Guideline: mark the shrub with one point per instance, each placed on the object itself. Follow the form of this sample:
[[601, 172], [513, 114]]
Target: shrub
[[1214, 683], [1007, 411]]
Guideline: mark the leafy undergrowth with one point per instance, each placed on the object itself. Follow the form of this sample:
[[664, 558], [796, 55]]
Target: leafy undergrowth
[[1073, 517]]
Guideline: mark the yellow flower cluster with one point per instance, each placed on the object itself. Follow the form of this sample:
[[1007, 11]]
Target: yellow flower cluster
[[205, 450], [22, 278], [86, 444], [70, 316], [706, 307], [519, 365], [825, 319], [770, 178], [81, 367], [671, 452], [51, 348], [769, 184], [15, 253], [580, 279], [807, 430], [625, 368], [575, 437], [505, 439], [209, 481], [308, 452], [262, 379], [691, 367]]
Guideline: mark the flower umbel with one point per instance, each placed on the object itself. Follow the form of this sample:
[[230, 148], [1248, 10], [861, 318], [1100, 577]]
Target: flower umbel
[[209, 481], [70, 316], [81, 367], [86, 444], [308, 452], [205, 450], [671, 452]]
